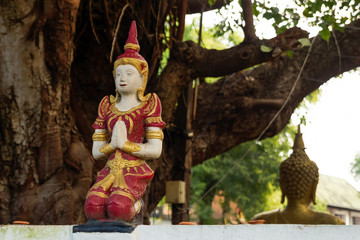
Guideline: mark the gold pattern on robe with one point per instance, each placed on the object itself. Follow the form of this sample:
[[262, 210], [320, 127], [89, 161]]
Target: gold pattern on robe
[[153, 120], [123, 193], [99, 194], [116, 175], [116, 111], [102, 110], [154, 108], [131, 123], [105, 183], [109, 121], [112, 99], [133, 174], [99, 122], [150, 106]]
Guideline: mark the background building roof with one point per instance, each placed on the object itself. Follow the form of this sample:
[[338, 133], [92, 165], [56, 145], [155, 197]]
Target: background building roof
[[337, 192]]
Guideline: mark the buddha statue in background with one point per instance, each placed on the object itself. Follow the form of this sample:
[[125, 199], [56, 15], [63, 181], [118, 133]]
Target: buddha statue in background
[[298, 180], [128, 131]]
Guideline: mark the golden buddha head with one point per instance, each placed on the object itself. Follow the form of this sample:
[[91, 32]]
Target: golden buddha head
[[298, 173]]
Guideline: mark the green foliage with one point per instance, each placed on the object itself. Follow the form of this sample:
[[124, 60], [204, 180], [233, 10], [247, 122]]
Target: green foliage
[[290, 53], [264, 48], [249, 183], [326, 15], [308, 100], [231, 20], [305, 42], [355, 167], [164, 60], [320, 206], [209, 38]]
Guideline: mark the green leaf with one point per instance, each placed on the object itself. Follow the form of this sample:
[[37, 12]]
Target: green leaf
[[280, 30], [316, 6], [275, 10], [307, 13], [211, 2], [256, 12], [343, 19], [267, 15], [325, 34], [338, 27], [329, 19], [305, 42], [290, 53], [264, 48]]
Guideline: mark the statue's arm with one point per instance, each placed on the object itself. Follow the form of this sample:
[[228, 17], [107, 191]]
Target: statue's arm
[[97, 144], [152, 148], [100, 136]]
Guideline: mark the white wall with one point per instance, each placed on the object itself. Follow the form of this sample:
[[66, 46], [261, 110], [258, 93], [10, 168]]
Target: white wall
[[215, 232]]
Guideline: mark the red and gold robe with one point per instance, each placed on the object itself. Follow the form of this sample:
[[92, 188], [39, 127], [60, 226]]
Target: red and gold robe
[[124, 178]]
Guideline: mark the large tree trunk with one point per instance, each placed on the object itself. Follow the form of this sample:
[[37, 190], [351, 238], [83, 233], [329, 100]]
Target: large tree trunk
[[48, 99], [45, 168]]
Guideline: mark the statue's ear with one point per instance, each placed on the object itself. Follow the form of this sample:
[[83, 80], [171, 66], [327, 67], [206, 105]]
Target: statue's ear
[[282, 198], [282, 193], [313, 192]]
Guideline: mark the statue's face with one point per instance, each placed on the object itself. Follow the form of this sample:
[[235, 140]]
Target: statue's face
[[127, 79]]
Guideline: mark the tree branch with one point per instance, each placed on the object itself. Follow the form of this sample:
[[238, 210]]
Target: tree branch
[[249, 29], [213, 63], [237, 108], [189, 61], [198, 6]]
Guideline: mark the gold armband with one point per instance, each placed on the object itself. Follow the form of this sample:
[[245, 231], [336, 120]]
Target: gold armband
[[107, 149], [130, 147], [155, 135], [100, 136]]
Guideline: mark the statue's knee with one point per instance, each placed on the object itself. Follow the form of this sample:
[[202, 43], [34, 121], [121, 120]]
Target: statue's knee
[[120, 208], [94, 207]]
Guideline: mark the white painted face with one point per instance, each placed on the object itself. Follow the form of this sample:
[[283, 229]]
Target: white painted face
[[127, 79]]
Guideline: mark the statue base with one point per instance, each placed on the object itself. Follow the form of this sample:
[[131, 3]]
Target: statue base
[[95, 225]]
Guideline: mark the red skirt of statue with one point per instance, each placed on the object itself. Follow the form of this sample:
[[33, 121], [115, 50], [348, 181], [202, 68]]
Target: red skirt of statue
[[122, 182]]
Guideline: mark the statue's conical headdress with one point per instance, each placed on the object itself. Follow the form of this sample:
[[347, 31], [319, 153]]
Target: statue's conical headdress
[[299, 142], [132, 56]]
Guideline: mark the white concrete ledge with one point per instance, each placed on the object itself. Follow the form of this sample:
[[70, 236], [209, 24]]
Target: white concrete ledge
[[40, 232], [214, 232]]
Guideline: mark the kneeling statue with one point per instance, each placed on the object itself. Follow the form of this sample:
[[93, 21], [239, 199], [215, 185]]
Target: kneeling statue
[[128, 131]]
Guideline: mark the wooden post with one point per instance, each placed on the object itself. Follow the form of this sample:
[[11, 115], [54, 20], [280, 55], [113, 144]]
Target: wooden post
[[182, 147]]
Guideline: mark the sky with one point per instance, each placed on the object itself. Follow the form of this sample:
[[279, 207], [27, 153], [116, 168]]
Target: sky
[[332, 131]]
